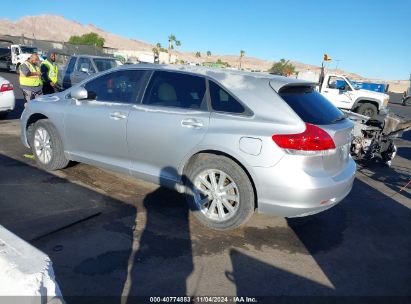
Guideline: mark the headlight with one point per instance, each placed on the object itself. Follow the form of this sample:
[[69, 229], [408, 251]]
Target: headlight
[[386, 101]]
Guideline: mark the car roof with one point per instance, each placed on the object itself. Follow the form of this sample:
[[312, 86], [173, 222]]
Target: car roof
[[277, 82], [93, 56]]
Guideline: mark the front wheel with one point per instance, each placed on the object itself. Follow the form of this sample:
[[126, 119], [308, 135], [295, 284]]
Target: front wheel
[[47, 146], [219, 192], [407, 101], [367, 109]]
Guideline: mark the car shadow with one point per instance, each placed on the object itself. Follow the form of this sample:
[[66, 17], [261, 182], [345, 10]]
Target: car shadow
[[80, 229], [164, 260], [362, 245]]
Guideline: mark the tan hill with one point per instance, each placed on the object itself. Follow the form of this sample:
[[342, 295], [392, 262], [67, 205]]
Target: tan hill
[[58, 28]]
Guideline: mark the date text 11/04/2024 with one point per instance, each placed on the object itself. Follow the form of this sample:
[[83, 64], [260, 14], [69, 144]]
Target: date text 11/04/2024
[[204, 299]]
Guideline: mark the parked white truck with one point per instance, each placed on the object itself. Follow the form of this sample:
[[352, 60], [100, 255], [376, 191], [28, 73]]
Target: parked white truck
[[11, 57], [344, 94]]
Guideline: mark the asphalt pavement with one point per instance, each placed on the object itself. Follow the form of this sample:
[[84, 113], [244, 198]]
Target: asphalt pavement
[[113, 236]]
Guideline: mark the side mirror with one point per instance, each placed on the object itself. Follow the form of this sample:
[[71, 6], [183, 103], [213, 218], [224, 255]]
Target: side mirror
[[79, 93], [342, 88]]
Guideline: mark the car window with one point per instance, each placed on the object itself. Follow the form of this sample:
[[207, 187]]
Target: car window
[[311, 106], [119, 86], [103, 64], [70, 67], [170, 89], [222, 101], [337, 83], [85, 63]]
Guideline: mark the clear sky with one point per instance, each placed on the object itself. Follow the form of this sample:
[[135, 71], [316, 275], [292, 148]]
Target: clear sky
[[371, 38]]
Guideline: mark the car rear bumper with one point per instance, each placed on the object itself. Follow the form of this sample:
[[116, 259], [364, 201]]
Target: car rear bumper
[[290, 191], [7, 101]]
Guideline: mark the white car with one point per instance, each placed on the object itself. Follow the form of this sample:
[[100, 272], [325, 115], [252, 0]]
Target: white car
[[7, 99]]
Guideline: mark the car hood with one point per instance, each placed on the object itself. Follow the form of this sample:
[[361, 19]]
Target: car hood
[[372, 94], [49, 98]]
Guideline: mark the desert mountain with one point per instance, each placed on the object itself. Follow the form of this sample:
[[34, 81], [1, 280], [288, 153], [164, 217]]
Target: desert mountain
[[58, 28]]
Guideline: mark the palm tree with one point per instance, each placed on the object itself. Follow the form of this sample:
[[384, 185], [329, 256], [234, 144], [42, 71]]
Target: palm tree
[[156, 51], [172, 40], [242, 53]]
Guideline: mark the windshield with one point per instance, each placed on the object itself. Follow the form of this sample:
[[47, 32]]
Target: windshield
[[353, 83], [103, 64], [28, 49]]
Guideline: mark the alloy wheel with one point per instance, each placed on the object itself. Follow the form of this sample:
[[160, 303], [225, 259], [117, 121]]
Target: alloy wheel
[[42, 145], [216, 195]]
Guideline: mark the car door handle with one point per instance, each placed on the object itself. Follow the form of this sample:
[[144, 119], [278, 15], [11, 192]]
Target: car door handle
[[117, 115], [191, 123], [325, 91]]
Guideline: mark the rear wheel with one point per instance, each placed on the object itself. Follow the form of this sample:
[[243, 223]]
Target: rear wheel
[[3, 115], [367, 109], [47, 146], [219, 192]]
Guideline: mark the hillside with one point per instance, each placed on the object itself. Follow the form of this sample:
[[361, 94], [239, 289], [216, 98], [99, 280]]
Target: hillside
[[58, 28]]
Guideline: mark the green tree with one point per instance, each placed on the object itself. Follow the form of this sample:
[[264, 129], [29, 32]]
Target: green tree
[[88, 39], [282, 67], [208, 53], [172, 43], [198, 55]]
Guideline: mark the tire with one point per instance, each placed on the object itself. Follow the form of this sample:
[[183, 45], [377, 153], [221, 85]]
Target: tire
[[367, 109], [407, 101], [239, 195], [47, 146]]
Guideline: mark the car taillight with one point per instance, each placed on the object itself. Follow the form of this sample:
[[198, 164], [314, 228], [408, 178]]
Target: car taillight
[[312, 141], [6, 87]]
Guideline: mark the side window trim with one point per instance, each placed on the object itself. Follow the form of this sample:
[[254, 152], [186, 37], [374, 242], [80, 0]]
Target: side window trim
[[247, 111], [149, 77]]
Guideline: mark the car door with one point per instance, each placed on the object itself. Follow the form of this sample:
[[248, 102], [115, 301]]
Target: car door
[[79, 73], [337, 91], [166, 127], [95, 128]]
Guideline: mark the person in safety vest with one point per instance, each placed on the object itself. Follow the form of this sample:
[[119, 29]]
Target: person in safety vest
[[30, 78], [49, 72]]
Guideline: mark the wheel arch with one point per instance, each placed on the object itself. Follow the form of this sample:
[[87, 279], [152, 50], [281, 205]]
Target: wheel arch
[[221, 153], [30, 122]]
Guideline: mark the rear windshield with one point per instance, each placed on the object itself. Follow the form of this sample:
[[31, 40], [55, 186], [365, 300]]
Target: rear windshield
[[311, 106], [105, 64]]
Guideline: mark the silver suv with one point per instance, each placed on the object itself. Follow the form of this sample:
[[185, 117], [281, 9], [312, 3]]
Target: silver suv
[[235, 142]]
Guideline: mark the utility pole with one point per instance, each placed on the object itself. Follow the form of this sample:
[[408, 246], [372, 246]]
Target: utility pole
[[322, 74]]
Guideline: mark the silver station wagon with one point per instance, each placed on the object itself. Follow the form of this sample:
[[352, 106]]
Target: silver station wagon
[[234, 142]]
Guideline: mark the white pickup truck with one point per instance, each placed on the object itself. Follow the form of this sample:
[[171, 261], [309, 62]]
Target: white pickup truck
[[344, 94], [14, 55]]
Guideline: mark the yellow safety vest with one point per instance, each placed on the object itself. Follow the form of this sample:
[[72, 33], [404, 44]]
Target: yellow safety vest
[[30, 81], [52, 70]]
